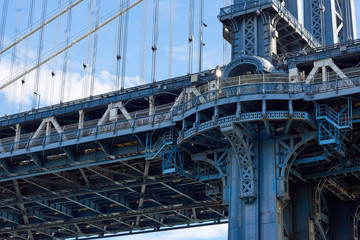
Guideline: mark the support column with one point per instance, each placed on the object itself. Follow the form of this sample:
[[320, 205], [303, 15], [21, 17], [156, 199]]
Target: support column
[[303, 212], [234, 203], [81, 119], [151, 105], [243, 219], [270, 207], [17, 135], [255, 212]]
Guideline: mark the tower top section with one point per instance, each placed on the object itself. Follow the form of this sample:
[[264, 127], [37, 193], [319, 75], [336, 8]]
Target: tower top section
[[266, 28]]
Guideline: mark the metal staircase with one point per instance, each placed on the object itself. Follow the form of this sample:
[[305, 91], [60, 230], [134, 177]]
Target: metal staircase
[[160, 147], [173, 161], [332, 128]]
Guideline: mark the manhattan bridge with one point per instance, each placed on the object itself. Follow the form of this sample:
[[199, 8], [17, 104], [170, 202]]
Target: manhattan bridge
[[268, 143]]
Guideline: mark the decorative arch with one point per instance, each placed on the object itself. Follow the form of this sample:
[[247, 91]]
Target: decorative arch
[[244, 64]]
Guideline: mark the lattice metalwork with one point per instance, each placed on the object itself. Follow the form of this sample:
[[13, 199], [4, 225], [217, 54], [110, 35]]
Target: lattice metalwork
[[243, 144], [317, 12], [250, 35]]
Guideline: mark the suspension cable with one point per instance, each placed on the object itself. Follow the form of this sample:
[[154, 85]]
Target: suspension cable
[[191, 35], [225, 44], [53, 72], [123, 68], [85, 85], [3, 23], [119, 48], [96, 37], [23, 81], [50, 56], [67, 39], [201, 24], [43, 24], [171, 37], [143, 41], [36, 96], [155, 40], [14, 88]]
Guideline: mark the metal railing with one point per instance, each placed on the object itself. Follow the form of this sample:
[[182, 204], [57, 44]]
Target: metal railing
[[165, 140], [339, 120], [318, 49], [233, 87]]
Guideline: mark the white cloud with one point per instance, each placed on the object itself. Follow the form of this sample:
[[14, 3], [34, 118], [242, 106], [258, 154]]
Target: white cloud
[[49, 87]]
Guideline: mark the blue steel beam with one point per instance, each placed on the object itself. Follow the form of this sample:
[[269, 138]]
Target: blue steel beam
[[308, 160], [93, 102], [109, 216]]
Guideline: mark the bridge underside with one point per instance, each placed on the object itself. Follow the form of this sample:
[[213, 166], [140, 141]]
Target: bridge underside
[[123, 196]]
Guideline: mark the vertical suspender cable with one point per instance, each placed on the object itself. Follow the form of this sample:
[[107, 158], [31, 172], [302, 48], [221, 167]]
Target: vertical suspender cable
[[123, 67], [114, 67], [85, 84], [119, 47], [23, 83], [14, 89], [67, 39], [3, 23], [53, 72], [36, 96], [171, 37], [96, 37], [191, 35], [14, 50], [155, 40], [143, 41], [201, 23]]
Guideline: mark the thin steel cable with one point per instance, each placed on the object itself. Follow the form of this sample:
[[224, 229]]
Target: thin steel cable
[[225, 44], [14, 87], [171, 37], [143, 42], [114, 53], [119, 56], [126, 26], [3, 23], [23, 82], [96, 37], [43, 24], [53, 73], [36, 96], [155, 40], [75, 40], [85, 85], [191, 35], [201, 23], [64, 73]]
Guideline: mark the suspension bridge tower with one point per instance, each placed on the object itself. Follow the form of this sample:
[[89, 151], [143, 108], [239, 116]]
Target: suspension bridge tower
[[278, 189]]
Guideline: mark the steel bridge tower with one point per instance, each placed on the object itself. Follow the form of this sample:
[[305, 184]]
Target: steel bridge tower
[[264, 156], [269, 143]]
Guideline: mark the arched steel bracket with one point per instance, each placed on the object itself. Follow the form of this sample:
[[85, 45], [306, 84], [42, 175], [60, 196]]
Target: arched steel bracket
[[242, 141], [287, 151]]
